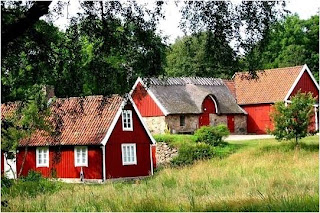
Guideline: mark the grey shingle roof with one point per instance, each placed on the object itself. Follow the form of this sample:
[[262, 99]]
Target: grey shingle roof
[[186, 94]]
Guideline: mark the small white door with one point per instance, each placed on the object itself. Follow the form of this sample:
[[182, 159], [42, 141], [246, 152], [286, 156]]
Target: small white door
[[10, 172]]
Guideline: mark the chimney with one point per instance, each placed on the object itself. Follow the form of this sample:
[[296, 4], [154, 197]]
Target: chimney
[[48, 91]]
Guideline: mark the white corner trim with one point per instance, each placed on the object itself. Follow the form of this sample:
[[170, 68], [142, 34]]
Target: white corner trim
[[116, 118], [151, 159], [304, 68], [215, 104], [162, 108]]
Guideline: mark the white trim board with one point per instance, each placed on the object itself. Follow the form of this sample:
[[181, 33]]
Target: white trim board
[[116, 118], [304, 68], [154, 98], [215, 104]]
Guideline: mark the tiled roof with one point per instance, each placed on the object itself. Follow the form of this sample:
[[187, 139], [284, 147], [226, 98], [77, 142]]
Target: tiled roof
[[85, 121], [185, 95], [271, 86], [231, 86]]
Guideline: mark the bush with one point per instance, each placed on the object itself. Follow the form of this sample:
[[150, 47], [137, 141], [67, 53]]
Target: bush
[[32, 185], [212, 134], [6, 184], [190, 153]]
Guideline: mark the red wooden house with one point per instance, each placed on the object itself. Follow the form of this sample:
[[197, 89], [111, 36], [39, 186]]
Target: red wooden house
[[97, 137], [257, 97], [182, 105]]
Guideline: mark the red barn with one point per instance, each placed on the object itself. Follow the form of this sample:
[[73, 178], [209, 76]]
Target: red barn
[[95, 137], [257, 97], [182, 105]]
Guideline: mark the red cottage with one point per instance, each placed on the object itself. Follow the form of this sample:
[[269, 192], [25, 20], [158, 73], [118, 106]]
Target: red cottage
[[100, 138], [257, 97], [182, 105]]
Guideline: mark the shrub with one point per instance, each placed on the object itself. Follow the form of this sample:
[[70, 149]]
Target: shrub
[[6, 184], [190, 153], [212, 134], [32, 185]]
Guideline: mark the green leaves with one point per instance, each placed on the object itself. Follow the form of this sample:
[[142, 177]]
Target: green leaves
[[292, 121]]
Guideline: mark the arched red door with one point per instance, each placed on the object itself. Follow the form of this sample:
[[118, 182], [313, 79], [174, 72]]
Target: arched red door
[[208, 106]]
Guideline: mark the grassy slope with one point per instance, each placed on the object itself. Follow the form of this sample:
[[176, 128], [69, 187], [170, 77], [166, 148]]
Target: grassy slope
[[263, 175]]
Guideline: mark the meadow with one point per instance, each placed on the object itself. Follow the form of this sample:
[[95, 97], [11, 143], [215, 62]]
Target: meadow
[[259, 175]]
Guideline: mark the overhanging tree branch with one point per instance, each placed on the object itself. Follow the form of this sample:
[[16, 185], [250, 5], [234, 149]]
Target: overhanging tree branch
[[25, 21]]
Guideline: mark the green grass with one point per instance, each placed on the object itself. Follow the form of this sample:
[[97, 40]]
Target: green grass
[[262, 175]]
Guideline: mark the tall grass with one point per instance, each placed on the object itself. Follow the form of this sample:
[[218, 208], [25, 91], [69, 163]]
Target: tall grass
[[264, 175]]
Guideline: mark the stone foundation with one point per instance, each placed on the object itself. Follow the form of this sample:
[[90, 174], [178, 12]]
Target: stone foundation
[[156, 125], [165, 153], [191, 123]]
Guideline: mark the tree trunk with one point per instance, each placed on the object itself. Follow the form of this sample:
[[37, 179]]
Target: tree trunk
[[23, 161]]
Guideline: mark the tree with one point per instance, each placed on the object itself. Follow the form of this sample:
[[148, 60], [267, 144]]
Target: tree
[[292, 121], [225, 21], [197, 55], [23, 120], [291, 42]]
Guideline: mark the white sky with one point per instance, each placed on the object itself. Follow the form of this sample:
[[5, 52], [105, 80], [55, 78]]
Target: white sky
[[170, 26]]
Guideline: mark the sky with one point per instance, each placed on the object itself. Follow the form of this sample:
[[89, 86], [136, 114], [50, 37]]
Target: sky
[[170, 26]]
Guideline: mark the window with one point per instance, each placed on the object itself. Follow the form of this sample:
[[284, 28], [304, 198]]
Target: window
[[42, 155], [182, 120], [81, 156], [129, 154], [127, 120]]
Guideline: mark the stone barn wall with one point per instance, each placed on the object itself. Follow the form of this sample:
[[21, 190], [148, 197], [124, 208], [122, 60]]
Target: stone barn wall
[[240, 122], [191, 123], [156, 125]]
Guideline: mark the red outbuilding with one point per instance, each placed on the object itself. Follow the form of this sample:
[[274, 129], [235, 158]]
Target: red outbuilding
[[95, 138], [257, 96]]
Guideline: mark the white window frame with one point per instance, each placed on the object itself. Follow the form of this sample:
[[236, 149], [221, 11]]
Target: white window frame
[[38, 154], [134, 162], [85, 164], [126, 113]]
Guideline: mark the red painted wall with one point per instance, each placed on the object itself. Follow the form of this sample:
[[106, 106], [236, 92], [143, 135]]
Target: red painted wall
[[114, 167], [230, 122], [147, 107], [207, 108], [65, 168], [258, 118], [2, 162], [154, 156], [306, 85]]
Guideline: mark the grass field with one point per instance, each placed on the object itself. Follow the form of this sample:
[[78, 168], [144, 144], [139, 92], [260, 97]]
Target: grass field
[[262, 175]]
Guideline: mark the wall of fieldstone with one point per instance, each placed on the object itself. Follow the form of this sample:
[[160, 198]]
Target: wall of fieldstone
[[165, 153], [156, 125], [191, 123], [240, 124]]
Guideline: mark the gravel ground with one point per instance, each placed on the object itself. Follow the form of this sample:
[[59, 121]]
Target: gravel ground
[[247, 137]]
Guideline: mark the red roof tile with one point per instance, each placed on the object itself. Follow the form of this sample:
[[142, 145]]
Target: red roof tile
[[271, 86], [231, 86], [85, 121]]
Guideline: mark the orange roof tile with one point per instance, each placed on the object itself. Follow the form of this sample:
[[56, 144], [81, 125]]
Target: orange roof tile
[[82, 121], [231, 86], [271, 86]]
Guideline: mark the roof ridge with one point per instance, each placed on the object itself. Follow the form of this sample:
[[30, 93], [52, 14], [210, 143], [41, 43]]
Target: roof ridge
[[181, 81], [269, 69]]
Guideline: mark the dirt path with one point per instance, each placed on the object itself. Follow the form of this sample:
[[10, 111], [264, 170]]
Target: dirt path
[[247, 137]]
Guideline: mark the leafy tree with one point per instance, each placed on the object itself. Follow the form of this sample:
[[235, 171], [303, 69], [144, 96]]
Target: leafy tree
[[197, 55], [225, 21], [23, 120], [292, 121], [291, 42]]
